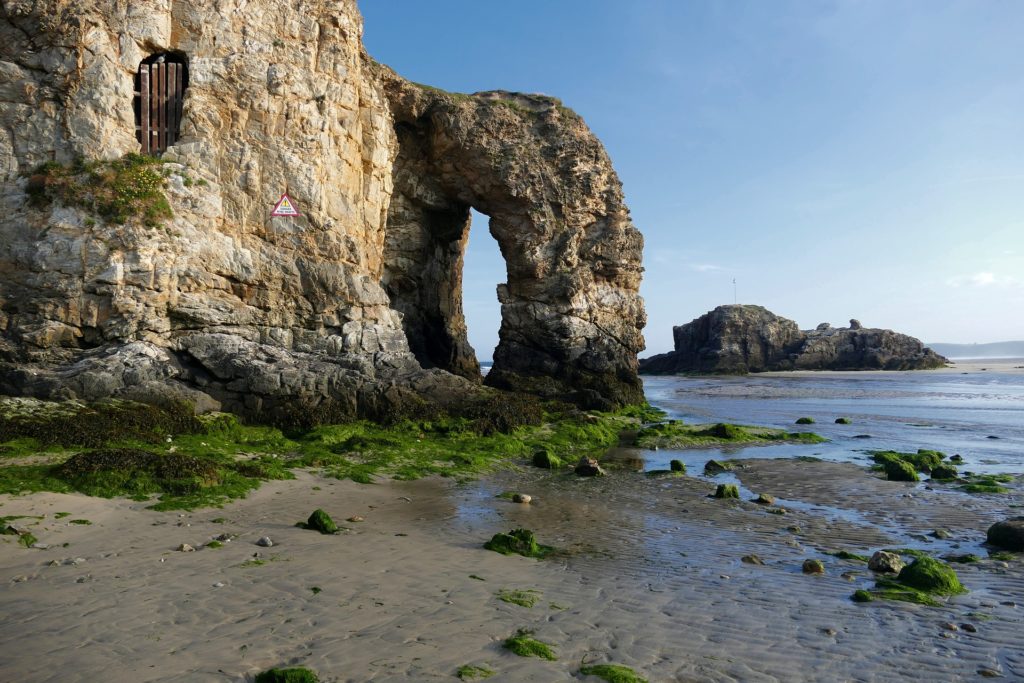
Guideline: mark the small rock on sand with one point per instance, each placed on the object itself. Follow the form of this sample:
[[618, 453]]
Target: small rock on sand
[[950, 626], [356, 518], [812, 566], [522, 498], [885, 562], [764, 499], [589, 467], [970, 628], [186, 548], [264, 542], [1008, 534], [752, 559]]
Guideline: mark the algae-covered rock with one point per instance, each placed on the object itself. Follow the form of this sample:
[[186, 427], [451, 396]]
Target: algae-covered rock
[[546, 459], [764, 499], [517, 542], [322, 522], [886, 562], [713, 467], [862, 596], [944, 471], [843, 421], [295, 675], [932, 576], [812, 566], [898, 470], [724, 430], [727, 491], [521, 498], [805, 420], [677, 466], [1008, 534]]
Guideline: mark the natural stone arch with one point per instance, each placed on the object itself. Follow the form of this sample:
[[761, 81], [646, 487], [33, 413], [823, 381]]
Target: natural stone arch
[[571, 313]]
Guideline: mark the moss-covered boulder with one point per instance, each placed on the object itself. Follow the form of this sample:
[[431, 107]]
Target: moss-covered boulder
[[898, 470], [931, 576], [322, 522], [1008, 534], [944, 471], [294, 675], [727, 491], [805, 421], [677, 466], [517, 542], [843, 421], [546, 459]]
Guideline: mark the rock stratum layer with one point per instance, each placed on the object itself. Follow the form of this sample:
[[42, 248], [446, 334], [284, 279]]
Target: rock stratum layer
[[740, 339], [357, 304]]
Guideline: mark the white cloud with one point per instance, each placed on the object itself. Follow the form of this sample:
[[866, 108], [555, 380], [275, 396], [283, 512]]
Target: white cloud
[[705, 267], [983, 279]]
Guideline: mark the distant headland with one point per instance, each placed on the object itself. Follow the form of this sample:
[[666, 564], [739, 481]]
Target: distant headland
[[738, 339]]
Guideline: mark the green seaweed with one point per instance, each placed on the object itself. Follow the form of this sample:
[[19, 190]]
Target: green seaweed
[[27, 539], [545, 459], [922, 461], [293, 675], [61, 515], [612, 673], [527, 598], [524, 645], [898, 470], [944, 471], [845, 555], [862, 596], [469, 672], [518, 542], [677, 435], [930, 576]]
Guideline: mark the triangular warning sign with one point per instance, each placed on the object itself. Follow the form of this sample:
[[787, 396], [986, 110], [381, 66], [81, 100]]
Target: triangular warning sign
[[284, 207]]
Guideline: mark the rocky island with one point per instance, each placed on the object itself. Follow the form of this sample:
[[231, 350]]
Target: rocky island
[[738, 339]]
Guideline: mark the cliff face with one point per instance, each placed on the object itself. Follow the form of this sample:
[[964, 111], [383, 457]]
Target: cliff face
[[739, 339], [357, 303]]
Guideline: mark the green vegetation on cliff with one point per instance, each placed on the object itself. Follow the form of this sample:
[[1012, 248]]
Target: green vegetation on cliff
[[116, 191]]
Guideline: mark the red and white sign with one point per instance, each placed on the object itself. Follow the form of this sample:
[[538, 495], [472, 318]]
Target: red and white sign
[[285, 207]]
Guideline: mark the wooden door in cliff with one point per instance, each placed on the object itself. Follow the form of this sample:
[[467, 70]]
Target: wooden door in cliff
[[159, 96]]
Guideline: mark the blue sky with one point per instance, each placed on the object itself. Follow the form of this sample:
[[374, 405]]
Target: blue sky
[[838, 159]]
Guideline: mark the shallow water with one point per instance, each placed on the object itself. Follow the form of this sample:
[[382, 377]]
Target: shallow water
[[978, 414]]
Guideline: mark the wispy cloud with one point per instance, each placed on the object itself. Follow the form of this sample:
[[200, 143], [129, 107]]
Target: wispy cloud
[[704, 267], [983, 279]]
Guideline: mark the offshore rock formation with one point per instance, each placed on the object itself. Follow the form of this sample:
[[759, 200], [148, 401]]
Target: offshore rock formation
[[354, 308], [739, 339]]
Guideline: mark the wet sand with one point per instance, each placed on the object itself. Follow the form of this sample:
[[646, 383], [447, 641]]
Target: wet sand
[[650, 576]]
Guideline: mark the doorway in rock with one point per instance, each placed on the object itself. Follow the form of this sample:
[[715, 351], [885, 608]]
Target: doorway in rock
[[483, 269]]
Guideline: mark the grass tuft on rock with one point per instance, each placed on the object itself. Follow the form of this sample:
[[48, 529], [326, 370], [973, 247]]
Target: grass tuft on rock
[[293, 675], [524, 645], [613, 673], [518, 542], [117, 191]]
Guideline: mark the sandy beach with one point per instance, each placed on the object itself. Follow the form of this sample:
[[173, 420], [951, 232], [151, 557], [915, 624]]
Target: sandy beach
[[650, 577]]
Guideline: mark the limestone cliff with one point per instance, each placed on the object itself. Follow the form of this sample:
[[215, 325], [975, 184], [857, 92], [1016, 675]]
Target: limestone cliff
[[355, 305], [740, 338]]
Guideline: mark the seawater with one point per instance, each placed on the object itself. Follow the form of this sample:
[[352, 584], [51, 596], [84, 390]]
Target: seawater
[[978, 414]]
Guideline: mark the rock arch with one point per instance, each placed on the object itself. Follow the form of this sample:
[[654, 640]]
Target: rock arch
[[571, 313]]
